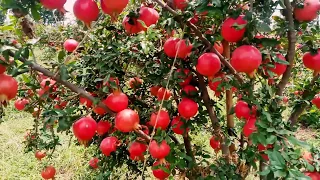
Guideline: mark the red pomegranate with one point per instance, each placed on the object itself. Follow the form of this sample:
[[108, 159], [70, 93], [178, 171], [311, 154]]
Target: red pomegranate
[[93, 163], [159, 151], [99, 110], [177, 126], [309, 11], [86, 102], [187, 108], [127, 120], [189, 90], [208, 64], [40, 154], [20, 104], [186, 76], [194, 19], [117, 101], [231, 33], [313, 175], [180, 4], [109, 145], [308, 157], [219, 47], [48, 84], [312, 61], [103, 127], [85, 128], [135, 83], [285, 99], [8, 88], [183, 48], [48, 173], [250, 126], [154, 90], [3, 67], [54, 4], [246, 59], [160, 120], [215, 143], [169, 47], [278, 68], [215, 82], [157, 170], [113, 8], [70, 45], [130, 24], [316, 100], [112, 81], [242, 110], [86, 11], [164, 94], [137, 148], [149, 16]]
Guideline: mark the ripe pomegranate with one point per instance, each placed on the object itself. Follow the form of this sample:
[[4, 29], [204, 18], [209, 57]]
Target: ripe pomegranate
[[309, 11], [103, 127], [48, 84], [40, 154], [135, 83], [127, 120], [208, 64], [84, 129], [131, 25], [54, 4], [313, 175], [219, 47], [93, 163], [3, 68], [250, 126], [86, 11], [189, 90], [278, 68], [183, 48], [164, 94], [113, 8], [194, 19], [109, 145], [169, 47], [61, 105], [215, 82], [149, 16], [316, 100], [8, 88], [154, 90], [117, 101], [285, 99], [246, 59], [312, 61], [161, 120], [70, 45], [215, 143], [137, 148], [231, 33], [159, 172], [186, 76], [20, 104], [48, 173], [99, 110], [187, 108], [159, 151], [180, 4], [177, 126], [242, 110]]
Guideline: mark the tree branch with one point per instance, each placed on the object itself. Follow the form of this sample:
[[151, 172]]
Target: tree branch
[[187, 145], [291, 49]]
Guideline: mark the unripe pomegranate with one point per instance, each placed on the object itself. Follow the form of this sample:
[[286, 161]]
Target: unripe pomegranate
[[160, 120], [309, 11], [130, 24], [242, 110], [278, 68], [246, 59], [149, 16], [40, 154], [127, 120], [86, 11], [208, 64], [231, 33], [177, 126], [113, 8], [117, 101], [154, 90], [187, 76], [180, 4], [215, 143], [312, 61], [137, 148], [135, 83], [159, 172], [250, 126], [316, 100], [20, 104], [163, 93], [159, 151], [48, 173], [8, 88], [54, 4], [70, 45], [109, 145], [85, 128], [183, 48], [187, 108], [103, 127], [169, 47], [189, 90], [93, 163]]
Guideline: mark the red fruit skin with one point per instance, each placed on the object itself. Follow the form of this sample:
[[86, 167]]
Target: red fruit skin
[[48, 84], [112, 7], [316, 101], [99, 110], [8, 88], [214, 84], [308, 12], [308, 157], [189, 90], [93, 163], [246, 58], [137, 149], [117, 101], [163, 93], [278, 68], [3, 68], [194, 19], [86, 102], [163, 120], [215, 143], [48, 172], [135, 83], [250, 126], [242, 110], [86, 11], [285, 99], [70, 45], [109, 145], [177, 126], [154, 90], [230, 33], [313, 175], [20, 104], [103, 127], [131, 28], [219, 47], [159, 151], [183, 48], [149, 16], [208, 64], [158, 172], [127, 120], [312, 61], [39, 155], [180, 4], [112, 79], [85, 128], [187, 77], [53, 4], [187, 108], [170, 47]]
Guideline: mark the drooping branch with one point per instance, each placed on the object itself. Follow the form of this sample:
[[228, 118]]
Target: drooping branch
[[291, 49]]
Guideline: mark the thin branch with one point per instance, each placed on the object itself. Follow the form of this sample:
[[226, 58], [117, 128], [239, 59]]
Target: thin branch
[[188, 146], [291, 49]]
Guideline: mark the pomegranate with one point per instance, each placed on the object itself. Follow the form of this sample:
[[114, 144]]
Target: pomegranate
[[48, 84], [231, 33], [163, 94], [131, 25], [20, 104], [117, 101], [169, 47], [183, 48], [159, 151], [40, 154], [113, 8], [194, 19], [189, 90], [186, 76], [93, 163], [246, 59], [3, 67], [262, 148], [86, 11], [285, 99], [187, 108], [177, 126], [154, 90], [54, 4], [103, 127], [135, 83], [308, 157], [70, 45], [8, 88], [149, 16], [109, 145], [208, 64], [316, 100], [278, 68], [137, 148], [157, 169], [215, 143], [99, 110], [85, 128], [112, 80], [309, 11], [215, 82], [86, 102], [250, 126], [127, 120], [48, 173], [312, 61], [242, 110], [313, 175], [161, 120], [180, 4], [219, 47]]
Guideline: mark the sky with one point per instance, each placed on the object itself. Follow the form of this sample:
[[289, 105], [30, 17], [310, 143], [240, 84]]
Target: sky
[[69, 7]]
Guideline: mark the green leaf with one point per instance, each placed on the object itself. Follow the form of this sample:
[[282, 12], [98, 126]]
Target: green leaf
[[35, 13], [265, 172], [280, 173], [297, 142], [61, 55], [268, 116], [263, 27], [277, 159], [271, 139]]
